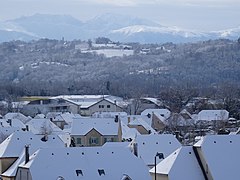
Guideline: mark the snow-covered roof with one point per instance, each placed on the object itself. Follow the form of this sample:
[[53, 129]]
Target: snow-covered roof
[[86, 101], [14, 144], [14, 123], [7, 131], [19, 116], [153, 100], [39, 116], [149, 145], [141, 122], [87, 162], [105, 126], [43, 126], [209, 115], [221, 153], [128, 133], [108, 114], [162, 114], [181, 164]]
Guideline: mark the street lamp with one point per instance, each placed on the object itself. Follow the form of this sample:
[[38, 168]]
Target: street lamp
[[160, 156]]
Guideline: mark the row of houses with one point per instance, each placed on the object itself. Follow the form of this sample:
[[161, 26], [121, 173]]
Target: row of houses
[[24, 155]]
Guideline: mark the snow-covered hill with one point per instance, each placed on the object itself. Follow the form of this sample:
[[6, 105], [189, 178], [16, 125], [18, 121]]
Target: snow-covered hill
[[117, 27]]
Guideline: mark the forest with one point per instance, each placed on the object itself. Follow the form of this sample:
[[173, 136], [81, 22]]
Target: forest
[[172, 72]]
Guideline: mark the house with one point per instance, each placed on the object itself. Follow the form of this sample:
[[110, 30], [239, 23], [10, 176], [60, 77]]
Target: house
[[85, 105], [219, 156], [12, 149], [146, 103], [142, 123], [95, 131], [43, 105], [89, 163], [18, 115], [181, 164], [9, 126], [43, 127], [158, 117], [89, 104], [213, 115], [147, 146]]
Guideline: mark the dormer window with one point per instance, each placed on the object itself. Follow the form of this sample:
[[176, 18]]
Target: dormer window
[[101, 172], [79, 172], [126, 177]]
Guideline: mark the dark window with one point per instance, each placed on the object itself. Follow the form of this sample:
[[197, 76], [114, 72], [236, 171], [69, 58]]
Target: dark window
[[101, 172], [108, 106], [79, 172], [79, 141]]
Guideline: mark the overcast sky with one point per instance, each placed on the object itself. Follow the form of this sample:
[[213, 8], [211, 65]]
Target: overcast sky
[[201, 15]]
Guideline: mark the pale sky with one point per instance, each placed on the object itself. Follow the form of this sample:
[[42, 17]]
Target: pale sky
[[204, 15]]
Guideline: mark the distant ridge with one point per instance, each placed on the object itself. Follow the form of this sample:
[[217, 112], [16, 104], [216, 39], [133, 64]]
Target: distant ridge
[[117, 27]]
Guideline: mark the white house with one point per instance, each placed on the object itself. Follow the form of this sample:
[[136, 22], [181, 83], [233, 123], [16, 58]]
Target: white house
[[147, 146], [213, 115], [89, 163], [12, 150], [95, 131], [181, 164], [219, 156], [19, 116]]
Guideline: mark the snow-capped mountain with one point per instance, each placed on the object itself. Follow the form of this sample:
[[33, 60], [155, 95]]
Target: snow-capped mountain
[[117, 27]]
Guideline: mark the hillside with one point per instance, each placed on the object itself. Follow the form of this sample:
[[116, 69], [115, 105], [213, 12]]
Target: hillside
[[51, 67]]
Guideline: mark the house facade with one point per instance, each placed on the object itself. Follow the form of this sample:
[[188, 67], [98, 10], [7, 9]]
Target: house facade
[[95, 131]]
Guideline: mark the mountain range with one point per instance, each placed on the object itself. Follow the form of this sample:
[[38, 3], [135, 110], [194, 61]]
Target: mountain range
[[116, 27]]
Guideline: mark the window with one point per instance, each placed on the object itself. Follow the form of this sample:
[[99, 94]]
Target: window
[[108, 139], [79, 141], [101, 106], [93, 140], [79, 172], [108, 106], [101, 172]]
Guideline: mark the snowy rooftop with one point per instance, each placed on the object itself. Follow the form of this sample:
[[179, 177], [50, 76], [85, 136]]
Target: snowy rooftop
[[85, 101], [19, 116], [181, 164], [162, 114], [128, 133], [109, 114], [14, 144], [13, 123], [106, 163], [149, 145], [221, 153], [209, 115], [153, 100], [141, 121], [43, 126], [105, 126]]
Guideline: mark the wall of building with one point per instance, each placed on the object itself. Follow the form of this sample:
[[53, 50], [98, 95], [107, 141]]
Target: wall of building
[[23, 174], [5, 163], [94, 134], [102, 106], [159, 176], [140, 129]]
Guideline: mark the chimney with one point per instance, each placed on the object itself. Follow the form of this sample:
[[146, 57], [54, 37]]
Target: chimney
[[135, 149], [26, 154], [10, 122], [116, 118], [27, 128], [129, 119], [51, 119], [1, 124]]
